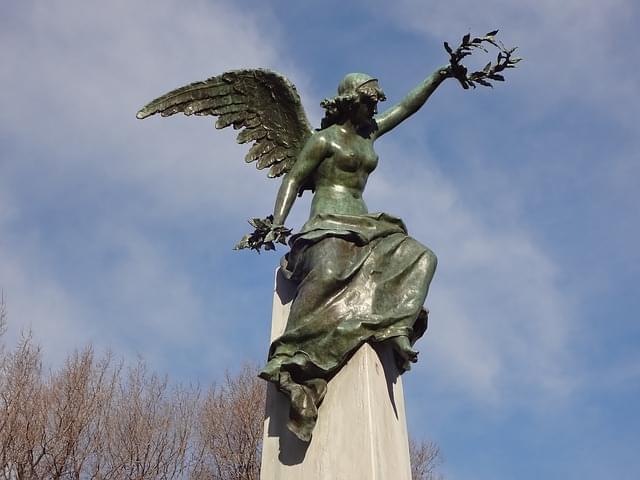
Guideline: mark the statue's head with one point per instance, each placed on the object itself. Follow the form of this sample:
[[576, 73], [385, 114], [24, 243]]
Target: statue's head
[[354, 91], [361, 84]]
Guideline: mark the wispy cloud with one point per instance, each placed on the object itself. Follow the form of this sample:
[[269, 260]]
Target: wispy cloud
[[78, 73], [95, 190], [558, 135], [570, 47], [48, 310], [499, 322]]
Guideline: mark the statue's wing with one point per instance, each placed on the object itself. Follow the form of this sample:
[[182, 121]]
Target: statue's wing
[[261, 102]]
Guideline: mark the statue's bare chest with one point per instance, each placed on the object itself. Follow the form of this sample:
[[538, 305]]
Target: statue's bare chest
[[354, 155]]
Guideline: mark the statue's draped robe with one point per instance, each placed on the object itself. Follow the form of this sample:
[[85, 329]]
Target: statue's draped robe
[[359, 278]]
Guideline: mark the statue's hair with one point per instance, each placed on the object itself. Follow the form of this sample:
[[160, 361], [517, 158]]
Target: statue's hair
[[338, 109]]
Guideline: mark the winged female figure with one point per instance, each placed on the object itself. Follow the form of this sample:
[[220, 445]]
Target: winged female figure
[[359, 276]]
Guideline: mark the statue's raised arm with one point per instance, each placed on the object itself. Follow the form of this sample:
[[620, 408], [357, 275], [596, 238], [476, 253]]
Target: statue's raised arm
[[390, 118]]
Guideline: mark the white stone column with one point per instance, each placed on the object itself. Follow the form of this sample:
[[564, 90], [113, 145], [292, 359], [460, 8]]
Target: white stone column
[[361, 432]]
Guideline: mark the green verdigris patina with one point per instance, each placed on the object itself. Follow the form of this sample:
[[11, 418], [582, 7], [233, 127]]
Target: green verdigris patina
[[359, 276]]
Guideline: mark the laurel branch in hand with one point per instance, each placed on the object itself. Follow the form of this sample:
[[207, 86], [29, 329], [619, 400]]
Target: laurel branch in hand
[[491, 71], [265, 235]]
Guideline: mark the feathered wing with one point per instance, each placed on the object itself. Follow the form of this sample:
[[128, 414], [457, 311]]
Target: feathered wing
[[264, 104]]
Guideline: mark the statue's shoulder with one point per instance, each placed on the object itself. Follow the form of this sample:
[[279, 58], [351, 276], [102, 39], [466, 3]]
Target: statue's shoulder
[[328, 134], [323, 137]]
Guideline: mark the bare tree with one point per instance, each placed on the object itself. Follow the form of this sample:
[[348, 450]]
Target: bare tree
[[89, 420], [230, 428], [148, 428], [94, 419], [3, 314], [77, 404], [425, 458], [22, 412]]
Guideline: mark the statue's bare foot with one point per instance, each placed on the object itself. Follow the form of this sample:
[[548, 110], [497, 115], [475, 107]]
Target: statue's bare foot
[[404, 353]]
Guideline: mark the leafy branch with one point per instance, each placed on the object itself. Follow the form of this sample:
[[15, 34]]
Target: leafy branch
[[491, 71], [264, 235]]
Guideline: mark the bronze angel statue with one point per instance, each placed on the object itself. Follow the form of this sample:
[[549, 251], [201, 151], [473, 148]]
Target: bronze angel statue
[[359, 276]]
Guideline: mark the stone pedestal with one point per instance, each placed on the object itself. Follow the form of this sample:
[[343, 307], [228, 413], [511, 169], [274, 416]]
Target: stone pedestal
[[361, 432]]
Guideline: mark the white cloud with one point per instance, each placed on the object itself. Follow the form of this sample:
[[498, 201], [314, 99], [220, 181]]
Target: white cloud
[[7, 209], [78, 71], [569, 47], [502, 318], [38, 303], [499, 321]]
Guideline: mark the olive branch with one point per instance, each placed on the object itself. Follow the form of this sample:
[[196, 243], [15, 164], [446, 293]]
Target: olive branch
[[491, 71], [264, 235]]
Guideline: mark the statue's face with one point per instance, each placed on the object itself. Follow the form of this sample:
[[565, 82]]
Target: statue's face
[[363, 111], [372, 90], [370, 104], [369, 93]]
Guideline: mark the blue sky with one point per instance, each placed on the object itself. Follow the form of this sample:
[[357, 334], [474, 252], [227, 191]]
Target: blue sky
[[119, 232]]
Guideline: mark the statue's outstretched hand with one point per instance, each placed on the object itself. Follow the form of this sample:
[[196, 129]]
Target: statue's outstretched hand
[[491, 71], [459, 72], [265, 235]]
